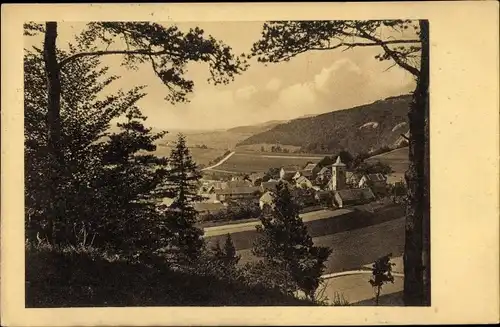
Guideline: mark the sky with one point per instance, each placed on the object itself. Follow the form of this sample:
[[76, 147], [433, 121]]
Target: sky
[[311, 83]]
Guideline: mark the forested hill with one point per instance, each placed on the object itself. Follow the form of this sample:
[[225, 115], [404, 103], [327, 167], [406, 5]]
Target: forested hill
[[359, 129]]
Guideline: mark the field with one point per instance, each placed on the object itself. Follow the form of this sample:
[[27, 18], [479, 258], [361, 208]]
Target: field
[[248, 162], [266, 146], [200, 156], [397, 159]]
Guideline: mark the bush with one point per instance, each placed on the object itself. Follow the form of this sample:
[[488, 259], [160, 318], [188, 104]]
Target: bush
[[70, 277]]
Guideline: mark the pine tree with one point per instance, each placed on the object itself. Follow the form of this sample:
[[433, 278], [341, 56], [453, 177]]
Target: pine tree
[[130, 187], [286, 246], [231, 259], [182, 187]]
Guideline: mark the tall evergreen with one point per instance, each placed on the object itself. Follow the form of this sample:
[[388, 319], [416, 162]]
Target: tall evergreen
[[286, 246], [182, 187]]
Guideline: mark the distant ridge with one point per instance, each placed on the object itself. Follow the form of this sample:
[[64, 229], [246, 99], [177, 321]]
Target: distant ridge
[[256, 128], [359, 129]]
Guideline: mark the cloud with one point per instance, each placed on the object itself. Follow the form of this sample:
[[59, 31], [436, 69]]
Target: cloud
[[246, 92], [273, 85], [339, 72]]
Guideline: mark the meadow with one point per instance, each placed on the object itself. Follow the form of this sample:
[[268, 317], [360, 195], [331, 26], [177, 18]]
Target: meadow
[[201, 156], [397, 159], [248, 162]]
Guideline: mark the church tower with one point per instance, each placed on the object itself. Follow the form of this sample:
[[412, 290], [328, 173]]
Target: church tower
[[338, 175]]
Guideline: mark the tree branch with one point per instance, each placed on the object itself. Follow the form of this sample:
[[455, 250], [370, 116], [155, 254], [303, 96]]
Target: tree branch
[[391, 53], [113, 52]]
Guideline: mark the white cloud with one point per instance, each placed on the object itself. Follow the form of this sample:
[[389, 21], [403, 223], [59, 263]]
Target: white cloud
[[246, 92], [341, 71], [273, 85]]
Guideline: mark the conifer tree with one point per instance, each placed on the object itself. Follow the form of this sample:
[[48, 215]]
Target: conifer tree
[[286, 246], [182, 185]]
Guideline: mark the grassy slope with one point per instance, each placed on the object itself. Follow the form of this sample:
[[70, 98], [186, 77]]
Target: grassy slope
[[341, 129], [397, 159]]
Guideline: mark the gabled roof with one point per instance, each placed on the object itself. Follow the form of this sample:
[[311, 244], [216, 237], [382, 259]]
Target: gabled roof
[[208, 206], [324, 170], [339, 162], [255, 176], [237, 183], [357, 194], [238, 190], [375, 177], [322, 194], [269, 185], [310, 166], [302, 179], [350, 175]]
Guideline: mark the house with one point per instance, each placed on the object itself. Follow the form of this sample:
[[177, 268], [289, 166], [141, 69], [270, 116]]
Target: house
[[324, 174], [270, 185], [287, 173], [303, 182], [237, 183], [310, 170], [209, 207], [255, 177], [266, 199], [396, 178], [375, 181], [347, 197], [352, 178], [324, 197], [235, 193], [208, 192], [302, 173]]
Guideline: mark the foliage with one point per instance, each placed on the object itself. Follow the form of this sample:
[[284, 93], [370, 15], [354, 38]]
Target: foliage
[[165, 48], [338, 131], [272, 173], [182, 186], [226, 256], [108, 178], [235, 210], [92, 278], [381, 274], [303, 197], [283, 40], [365, 168], [285, 245]]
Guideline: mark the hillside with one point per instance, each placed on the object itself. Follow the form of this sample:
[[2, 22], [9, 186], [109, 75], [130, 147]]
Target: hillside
[[359, 129], [257, 128]]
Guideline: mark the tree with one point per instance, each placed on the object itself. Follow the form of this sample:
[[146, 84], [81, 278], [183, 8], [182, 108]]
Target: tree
[[130, 188], [282, 41], [226, 255], [166, 49], [378, 167], [286, 246], [108, 177], [381, 274], [181, 186]]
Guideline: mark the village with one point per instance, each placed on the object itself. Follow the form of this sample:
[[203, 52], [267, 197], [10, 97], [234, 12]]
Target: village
[[314, 187]]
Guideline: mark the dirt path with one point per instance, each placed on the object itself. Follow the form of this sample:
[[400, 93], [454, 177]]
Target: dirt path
[[220, 162]]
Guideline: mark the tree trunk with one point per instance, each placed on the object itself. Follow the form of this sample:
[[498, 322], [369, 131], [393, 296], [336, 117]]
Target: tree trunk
[[425, 71], [54, 126], [417, 206]]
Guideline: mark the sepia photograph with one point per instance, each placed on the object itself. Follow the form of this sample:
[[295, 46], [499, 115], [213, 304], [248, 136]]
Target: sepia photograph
[[183, 164], [250, 164]]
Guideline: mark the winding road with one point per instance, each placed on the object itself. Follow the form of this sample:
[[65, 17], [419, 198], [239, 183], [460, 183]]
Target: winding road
[[220, 162]]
